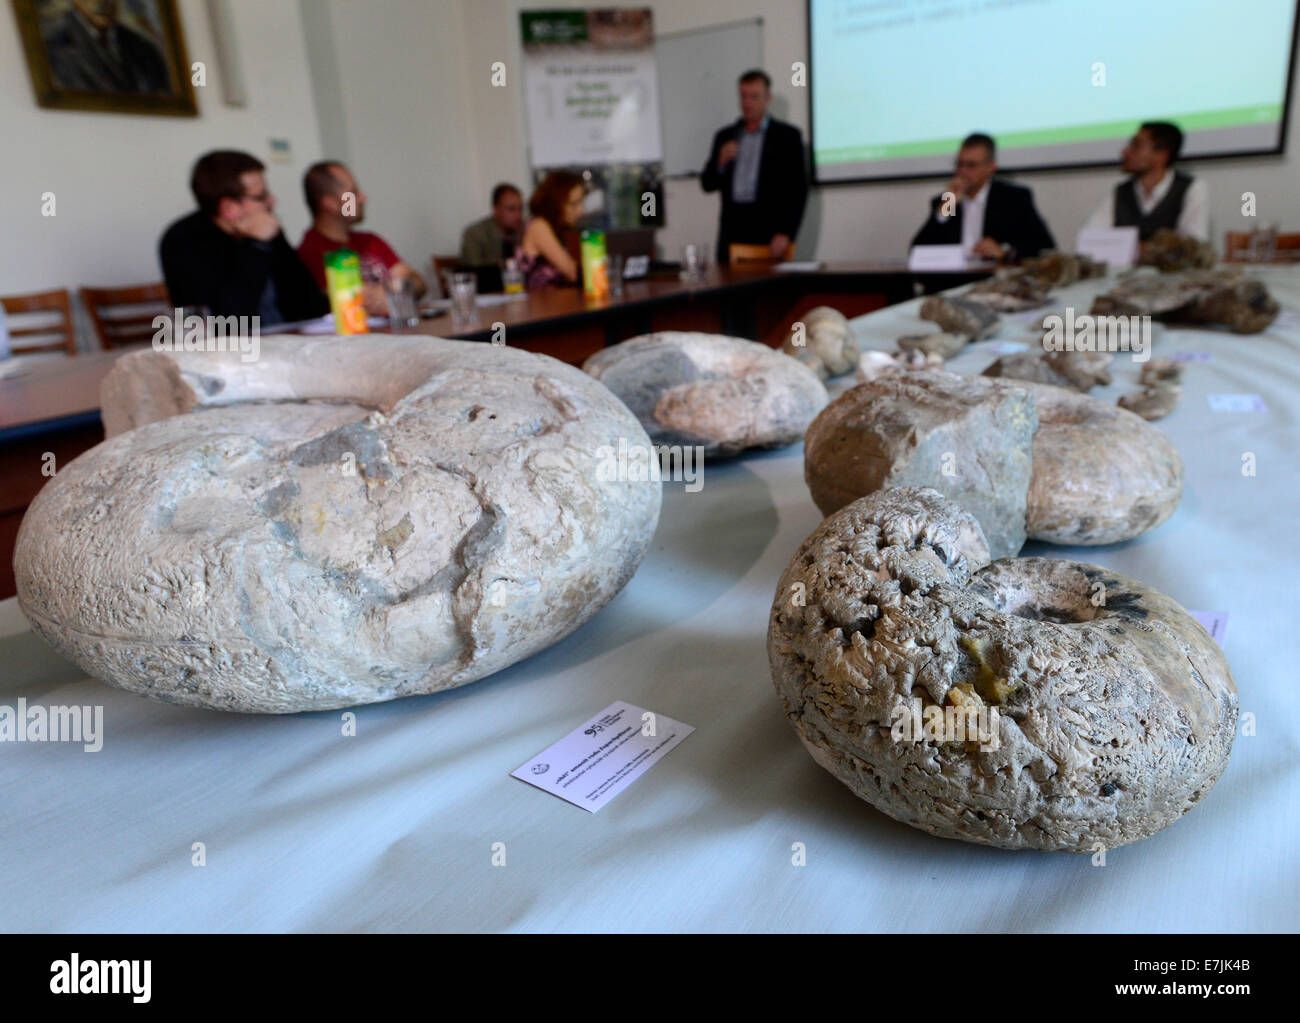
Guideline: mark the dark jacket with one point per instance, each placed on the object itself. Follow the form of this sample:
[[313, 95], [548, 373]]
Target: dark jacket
[[782, 187], [1009, 217], [204, 266]]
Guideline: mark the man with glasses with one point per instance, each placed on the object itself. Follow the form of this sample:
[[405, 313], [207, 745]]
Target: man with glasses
[[231, 255], [990, 218]]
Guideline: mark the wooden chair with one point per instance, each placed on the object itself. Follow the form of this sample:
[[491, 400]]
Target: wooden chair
[[442, 266], [124, 316], [739, 253], [1236, 247], [47, 321]]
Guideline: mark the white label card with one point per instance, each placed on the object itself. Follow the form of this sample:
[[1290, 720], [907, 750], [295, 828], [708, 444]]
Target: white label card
[[936, 257], [1115, 246], [1236, 403], [1215, 622], [604, 755]]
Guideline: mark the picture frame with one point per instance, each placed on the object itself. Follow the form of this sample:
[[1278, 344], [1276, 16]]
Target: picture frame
[[107, 56]]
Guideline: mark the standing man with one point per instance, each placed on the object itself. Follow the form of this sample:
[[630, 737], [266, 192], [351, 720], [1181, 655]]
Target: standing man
[[488, 241], [231, 255], [758, 166], [990, 218], [1155, 195], [337, 203]]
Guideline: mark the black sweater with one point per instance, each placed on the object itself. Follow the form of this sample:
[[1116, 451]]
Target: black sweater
[[204, 266]]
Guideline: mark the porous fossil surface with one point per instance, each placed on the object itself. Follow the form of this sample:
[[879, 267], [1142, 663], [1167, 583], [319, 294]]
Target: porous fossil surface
[[1196, 297], [1009, 291], [1101, 474], [960, 316], [724, 394], [341, 522], [1105, 719], [969, 437], [1057, 269], [828, 346], [1169, 251]]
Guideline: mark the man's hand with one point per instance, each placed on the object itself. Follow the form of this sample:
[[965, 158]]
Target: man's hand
[[988, 248], [780, 243], [260, 225], [956, 185], [727, 153]]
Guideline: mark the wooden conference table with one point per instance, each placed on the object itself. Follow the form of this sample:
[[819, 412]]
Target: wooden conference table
[[53, 408]]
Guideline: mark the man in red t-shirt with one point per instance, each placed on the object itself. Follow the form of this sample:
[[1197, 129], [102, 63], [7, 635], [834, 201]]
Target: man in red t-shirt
[[336, 203]]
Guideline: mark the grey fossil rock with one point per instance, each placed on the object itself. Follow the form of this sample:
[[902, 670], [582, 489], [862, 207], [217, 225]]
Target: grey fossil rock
[[1161, 371], [942, 344], [1154, 401], [968, 437], [1059, 269], [960, 316], [1224, 297], [1101, 474], [827, 337], [1170, 251], [724, 394], [341, 522], [1009, 291], [1079, 370], [1088, 725]]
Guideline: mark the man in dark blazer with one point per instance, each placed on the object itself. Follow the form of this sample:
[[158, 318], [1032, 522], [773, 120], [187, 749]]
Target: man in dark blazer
[[988, 217], [758, 166]]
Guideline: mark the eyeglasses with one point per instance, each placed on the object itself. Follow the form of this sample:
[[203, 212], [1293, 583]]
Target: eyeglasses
[[263, 198]]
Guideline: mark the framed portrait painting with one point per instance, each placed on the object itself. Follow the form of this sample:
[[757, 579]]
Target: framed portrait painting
[[112, 56]]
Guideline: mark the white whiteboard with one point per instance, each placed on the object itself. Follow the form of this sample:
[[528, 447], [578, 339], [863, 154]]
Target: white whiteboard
[[697, 87]]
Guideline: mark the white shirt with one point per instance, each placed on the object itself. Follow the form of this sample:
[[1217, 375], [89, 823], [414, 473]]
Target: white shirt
[[1194, 219], [972, 217]]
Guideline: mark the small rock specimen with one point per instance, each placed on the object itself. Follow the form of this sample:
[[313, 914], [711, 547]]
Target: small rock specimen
[[827, 338], [998, 704], [1101, 474], [342, 521], [1224, 297], [944, 345], [1169, 251], [1009, 291], [1081, 371], [1161, 380], [960, 316], [968, 437], [872, 364], [1059, 269], [724, 394]]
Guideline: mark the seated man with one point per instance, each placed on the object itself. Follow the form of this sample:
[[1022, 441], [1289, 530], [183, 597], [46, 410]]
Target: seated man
[[488, 241], [231, 255], [1154, 195], [336, 203], [988, 217]]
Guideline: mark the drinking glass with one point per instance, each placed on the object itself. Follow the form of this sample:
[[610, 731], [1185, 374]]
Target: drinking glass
[[692, 262], [615, 270], [400, 292], [512, 278], [464, 298]]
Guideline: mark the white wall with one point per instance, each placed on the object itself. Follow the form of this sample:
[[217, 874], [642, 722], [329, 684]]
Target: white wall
[[119, 179]]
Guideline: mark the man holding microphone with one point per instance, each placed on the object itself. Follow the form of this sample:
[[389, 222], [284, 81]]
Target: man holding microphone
[[757, 164]]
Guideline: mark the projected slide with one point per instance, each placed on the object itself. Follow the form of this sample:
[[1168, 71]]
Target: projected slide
[[896, 84]]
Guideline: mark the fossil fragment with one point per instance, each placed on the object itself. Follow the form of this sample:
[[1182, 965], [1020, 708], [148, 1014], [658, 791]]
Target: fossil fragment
[[341, 522], [1224, 297], [942, 344], [960, 316], [1079, 370], [1155, 401], [1168, 250], [826, 336], [1009, 291], [724, 394], [1065, 723]]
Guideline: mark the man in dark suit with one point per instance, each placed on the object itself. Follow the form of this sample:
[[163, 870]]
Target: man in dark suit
[[758, 166], [988, 217], [91, 50]]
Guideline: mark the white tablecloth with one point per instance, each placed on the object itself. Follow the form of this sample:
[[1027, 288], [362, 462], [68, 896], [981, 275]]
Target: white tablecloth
[[393, 829]]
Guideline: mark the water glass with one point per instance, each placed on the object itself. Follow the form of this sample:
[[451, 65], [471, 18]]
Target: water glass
[[464, 298], [512, 278], [692, 262], [400, 292], [614, 267]]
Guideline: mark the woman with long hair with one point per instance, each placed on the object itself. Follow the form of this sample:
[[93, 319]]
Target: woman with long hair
[[545, 253]]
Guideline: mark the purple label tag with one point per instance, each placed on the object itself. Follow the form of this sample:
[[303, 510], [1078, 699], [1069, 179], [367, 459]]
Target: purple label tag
[[1215, 622], [1236, 403], [1191, 356]]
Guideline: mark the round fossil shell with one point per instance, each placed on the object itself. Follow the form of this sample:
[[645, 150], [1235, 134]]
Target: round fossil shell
[[826, 334], [724, 394], [342, 521], [1101, 474], [1028, 703]]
